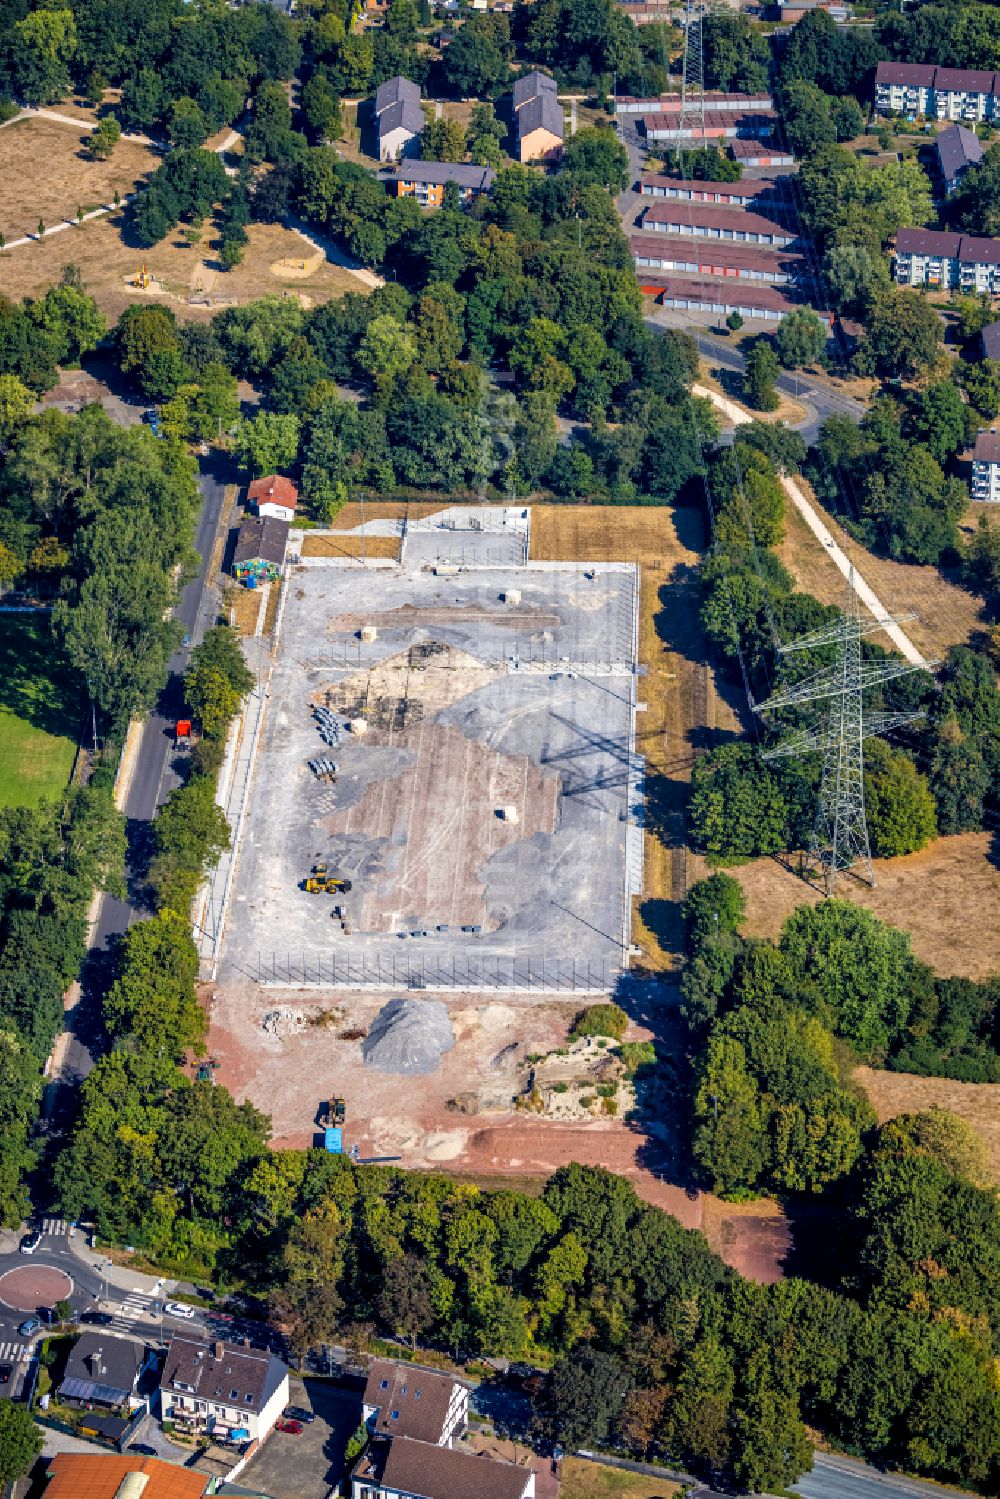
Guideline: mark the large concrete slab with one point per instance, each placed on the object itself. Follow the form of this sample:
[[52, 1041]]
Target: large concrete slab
[[486, 692]]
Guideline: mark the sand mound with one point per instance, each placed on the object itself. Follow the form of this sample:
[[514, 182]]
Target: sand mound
[[409, 1036]]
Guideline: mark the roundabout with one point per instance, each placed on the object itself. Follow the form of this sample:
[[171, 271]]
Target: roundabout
[[28, 1287]]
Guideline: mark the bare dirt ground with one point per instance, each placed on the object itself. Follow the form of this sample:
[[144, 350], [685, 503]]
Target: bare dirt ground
[[70, 180], [189, 280], [753, 1237], [978, 1104], [409, 1118], [949, 614], [932, 895]]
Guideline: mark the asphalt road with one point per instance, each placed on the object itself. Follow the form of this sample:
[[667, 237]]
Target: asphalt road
[[836, 1477], [823, 401], [152, 780], [131, 1312]]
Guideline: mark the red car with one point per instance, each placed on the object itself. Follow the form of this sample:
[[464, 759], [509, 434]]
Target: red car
[[292, 1427]]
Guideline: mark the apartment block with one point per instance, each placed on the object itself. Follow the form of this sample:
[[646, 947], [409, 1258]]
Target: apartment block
[[948, 262], [986, 467], [959, 94]]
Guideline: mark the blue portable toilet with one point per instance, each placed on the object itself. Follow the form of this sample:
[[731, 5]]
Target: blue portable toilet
[[333, 1140]]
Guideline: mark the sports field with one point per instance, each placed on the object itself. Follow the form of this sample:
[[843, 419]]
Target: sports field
[[39, 713]]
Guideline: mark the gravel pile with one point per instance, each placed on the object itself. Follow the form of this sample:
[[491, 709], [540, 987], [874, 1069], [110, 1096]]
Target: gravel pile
[[409, 1037]]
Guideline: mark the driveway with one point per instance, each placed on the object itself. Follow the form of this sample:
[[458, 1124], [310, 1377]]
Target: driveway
[[307, 1466]]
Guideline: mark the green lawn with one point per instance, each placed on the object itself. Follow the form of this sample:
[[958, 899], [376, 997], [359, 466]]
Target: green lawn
[[40, 707]]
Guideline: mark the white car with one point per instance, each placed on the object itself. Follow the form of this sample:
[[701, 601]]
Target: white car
[[178, 1309]]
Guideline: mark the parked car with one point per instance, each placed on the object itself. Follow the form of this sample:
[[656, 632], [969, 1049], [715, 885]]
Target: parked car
[[299, 1413], [144, 1448], [6, 1370], [292, 1427], [97, 1319], [179, 1309], [29, 1327], [30, 1242]]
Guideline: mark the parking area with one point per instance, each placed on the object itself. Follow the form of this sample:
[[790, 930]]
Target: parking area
[[484, 800], [308, 1465]]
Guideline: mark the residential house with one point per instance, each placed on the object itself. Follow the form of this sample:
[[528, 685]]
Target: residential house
[[398, 118], [260, 550], [957, 149], [986, 467], [275, 496], [427, 180], [990, 337], [224, 1389], [539, 122], [706, 221], [402, 1468], [402, 1401], [104, 1370], [127, 1475], [907, 88], [947, 261]]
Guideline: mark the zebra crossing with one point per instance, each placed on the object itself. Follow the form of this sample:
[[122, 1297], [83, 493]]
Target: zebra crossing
[[13, 1353], [55, 1226], [136, 1304]]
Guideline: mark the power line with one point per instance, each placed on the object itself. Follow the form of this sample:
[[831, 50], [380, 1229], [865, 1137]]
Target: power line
[[840, 832]]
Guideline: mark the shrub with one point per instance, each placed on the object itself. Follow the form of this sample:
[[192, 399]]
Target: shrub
[[600, 1020], [636, 1054]]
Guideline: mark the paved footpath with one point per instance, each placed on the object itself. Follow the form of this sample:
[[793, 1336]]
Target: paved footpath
[[739, 417]]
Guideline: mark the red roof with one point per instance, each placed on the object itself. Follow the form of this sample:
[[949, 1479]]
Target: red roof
[[276, 488], [712, 216]]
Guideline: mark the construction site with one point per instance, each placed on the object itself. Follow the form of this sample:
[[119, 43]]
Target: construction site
[[482, 721], [446, 794]]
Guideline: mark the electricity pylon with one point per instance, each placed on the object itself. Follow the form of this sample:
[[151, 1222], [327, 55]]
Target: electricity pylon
[[840, 833], [692, 113]]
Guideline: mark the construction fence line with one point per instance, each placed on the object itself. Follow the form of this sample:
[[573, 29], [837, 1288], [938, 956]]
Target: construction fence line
[[483, 975]]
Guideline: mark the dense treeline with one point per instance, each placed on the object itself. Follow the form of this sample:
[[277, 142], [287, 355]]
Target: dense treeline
[[777, 1030], [115, 510], [52, 858], [165, 56], [190, 830], [657, 1347], [538, 280], [943, 776]]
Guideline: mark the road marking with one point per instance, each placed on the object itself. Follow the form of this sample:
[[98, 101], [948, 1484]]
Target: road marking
[[54, 1226]]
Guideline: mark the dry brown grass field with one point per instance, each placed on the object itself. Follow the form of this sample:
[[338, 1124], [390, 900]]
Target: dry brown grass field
[[188, 279], [336, 545], [47, 174], [948, 613], [978, 1104], [933, 895]]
